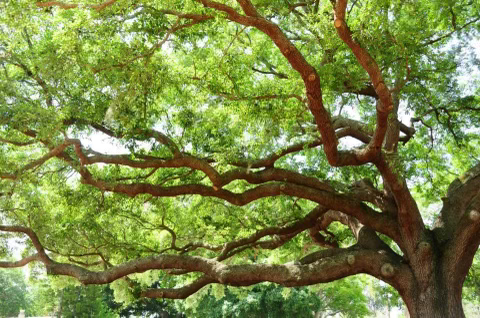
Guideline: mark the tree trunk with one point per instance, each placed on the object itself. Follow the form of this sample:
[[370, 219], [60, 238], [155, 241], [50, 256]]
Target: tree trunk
[[438, 300], [438, 307]]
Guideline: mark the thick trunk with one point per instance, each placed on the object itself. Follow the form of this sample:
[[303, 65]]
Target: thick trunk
[[438, 300]]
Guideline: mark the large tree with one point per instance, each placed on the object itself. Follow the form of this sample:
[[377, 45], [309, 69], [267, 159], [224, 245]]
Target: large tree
[[237, 142]]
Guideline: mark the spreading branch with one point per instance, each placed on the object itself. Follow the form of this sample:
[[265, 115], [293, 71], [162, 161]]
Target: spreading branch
[[385, 103], [449, 34], [297, 61], [56, 151], [328, 267]]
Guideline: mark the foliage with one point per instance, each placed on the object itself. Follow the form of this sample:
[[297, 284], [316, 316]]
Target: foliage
[[51, 298], [154, 308], [83, 301], [386, 297], [344, 297], [45, 300], [13, 291], [265, 300]]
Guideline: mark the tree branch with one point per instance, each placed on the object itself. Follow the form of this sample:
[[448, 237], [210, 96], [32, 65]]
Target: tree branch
[[337, 265], [178, 293], [367, 90], [461, 195], [450, 33], [270, 160], [293, 229], [35, 163], [297, 61], [409, 218], [142, 134], [24, 261], [37, 79], [17, 143], [41, 255], [461, 249], [385, 103], [263, 97], [350, 262], [378, 221]]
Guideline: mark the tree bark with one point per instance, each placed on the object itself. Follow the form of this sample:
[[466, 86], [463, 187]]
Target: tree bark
[[439, 299]]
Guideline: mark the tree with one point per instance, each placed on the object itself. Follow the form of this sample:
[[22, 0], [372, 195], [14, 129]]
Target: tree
[[268, 300], [389, 300], [83, 301], [345, 297], [54, 298], [238, 142], [144, 307], [262, 301], [44, 295], [13, 291]]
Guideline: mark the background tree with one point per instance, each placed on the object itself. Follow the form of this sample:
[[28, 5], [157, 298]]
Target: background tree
[[239, 142], [345, 297], [261, 301], [45, 300], [385, 298], [13, 293], [149, 307], [83, 301]]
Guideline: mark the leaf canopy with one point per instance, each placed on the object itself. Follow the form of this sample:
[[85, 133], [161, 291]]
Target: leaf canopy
[[210, 129]]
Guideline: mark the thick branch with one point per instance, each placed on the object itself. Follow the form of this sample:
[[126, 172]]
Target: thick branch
[[365, 237], [35, 163], [17, 143], [385, 103], [465, 241], [458, 221], [41, 255], [459, 195], [295, 228], [360, 130], [367, 90], [350, 262], [296, 60], [274, 174], [24, 261], [363, 57], [378, 221], [178, 293], [409, 219], [327, 268], [270, 160], [364, 190], [319, 267], [184, 161], [408, 131]]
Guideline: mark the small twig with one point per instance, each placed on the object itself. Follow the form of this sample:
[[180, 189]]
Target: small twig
[[67, 6]]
